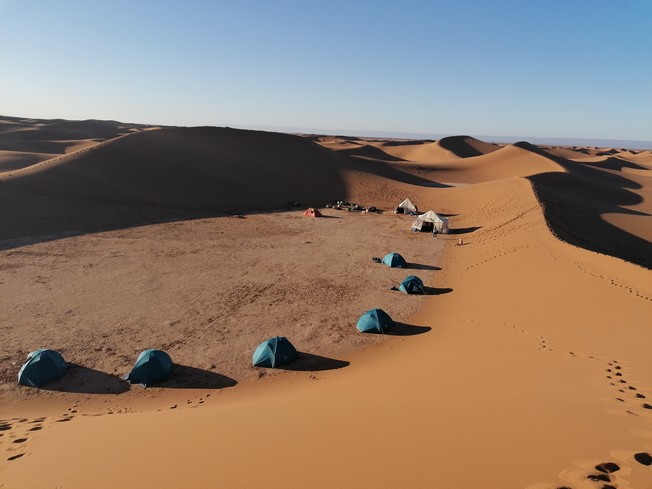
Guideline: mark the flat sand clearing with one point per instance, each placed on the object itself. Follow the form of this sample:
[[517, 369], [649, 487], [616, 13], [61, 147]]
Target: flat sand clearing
[[527, 366], [208, 292]]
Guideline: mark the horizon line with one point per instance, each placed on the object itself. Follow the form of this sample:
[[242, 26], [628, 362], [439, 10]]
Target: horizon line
[[370, 133]]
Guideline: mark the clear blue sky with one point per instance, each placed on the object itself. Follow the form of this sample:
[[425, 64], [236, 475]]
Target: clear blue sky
[[579, 68]]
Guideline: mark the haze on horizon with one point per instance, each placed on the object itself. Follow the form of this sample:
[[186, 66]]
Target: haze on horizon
[[547, 69]]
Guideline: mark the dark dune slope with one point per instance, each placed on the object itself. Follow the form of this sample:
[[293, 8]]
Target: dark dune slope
[[172, 173], [575, 202], [466, 146]]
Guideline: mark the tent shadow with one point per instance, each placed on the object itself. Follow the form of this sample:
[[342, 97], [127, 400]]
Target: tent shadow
[[309, 362], [84, 380], [437, 290], [421, 266], [464, 230], [187, 377], [403, 329], [324, 216]]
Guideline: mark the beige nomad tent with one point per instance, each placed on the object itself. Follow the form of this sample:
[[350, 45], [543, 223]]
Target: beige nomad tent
[[430, 221], [407, 207]]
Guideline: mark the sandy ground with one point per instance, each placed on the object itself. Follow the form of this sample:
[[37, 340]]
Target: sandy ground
[[527, 366], [185, 288]]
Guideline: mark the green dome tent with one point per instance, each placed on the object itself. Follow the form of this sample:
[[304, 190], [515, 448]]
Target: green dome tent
[[151, 366], [412, 285], [394, 260], [374, 321], [274, 352], [42, 367]]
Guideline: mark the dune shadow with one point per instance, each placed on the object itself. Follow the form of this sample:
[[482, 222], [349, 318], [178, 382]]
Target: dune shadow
[[309, 362], [368, 151], [392, 172], [575, 202], [459, 146], [464, 230], [187, 377], [84, 380], [201, 172], [421, 266], [403, 329]]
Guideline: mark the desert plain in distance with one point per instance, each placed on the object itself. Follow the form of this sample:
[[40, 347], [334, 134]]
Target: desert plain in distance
[[527, 364]]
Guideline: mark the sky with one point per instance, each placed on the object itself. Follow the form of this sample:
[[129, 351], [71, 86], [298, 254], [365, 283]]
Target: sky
[[541, 68]]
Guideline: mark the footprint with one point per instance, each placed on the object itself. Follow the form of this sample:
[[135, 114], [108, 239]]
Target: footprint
[[20, 440], [598, 477], [14, 457], [647, 406], [640, 396], [607, 467], [643, 458]]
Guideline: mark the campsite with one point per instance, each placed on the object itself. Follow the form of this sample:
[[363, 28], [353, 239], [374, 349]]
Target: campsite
[[193, 292]]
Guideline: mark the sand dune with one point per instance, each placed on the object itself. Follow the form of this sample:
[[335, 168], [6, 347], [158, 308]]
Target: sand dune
[[527, 366], [57, 135], [149, 176], [600, 208], [466, 146], [15, 160], [506, 162], [448, 148]]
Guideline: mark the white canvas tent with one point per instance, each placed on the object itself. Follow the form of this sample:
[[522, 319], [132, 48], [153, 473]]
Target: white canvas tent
[[407, 207], [431, 221]]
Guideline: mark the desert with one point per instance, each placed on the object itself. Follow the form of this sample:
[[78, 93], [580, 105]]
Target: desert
[[526, 364]]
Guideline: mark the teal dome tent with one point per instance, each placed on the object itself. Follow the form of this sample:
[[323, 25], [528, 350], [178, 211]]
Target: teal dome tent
[[151, 366], [374, 321], [412, 285], [394, 260], [274, 352], [42, 367]]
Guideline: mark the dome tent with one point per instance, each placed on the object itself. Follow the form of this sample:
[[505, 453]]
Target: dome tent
[[310, 212], [42, 367], [412, 285], [274, 352], [394, 260], [151, 366], [374, 321]]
